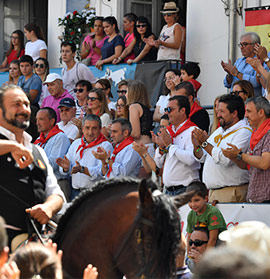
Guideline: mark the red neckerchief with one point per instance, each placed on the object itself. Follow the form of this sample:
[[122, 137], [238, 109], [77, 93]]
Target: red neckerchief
[[42, 139], [196, 85], [258, 134], [127, 141], [83, 145], [187, 125], [194, 108]]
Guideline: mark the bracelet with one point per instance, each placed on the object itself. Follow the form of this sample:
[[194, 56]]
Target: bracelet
[[198, 148], [258, 75], [168, 147], [163, 151], [145, 155]]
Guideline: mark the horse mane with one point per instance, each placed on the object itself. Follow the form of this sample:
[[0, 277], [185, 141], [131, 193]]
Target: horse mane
[[166, 238], [86, 194]]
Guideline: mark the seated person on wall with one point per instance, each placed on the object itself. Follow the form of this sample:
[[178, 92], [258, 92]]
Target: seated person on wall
[[197, 115], [67, 108], [124, 160], [84, 168], [203, 214], [54, 83], [175, 149], [28, 81], [54, 142], [227, 183], [257, 158], [241, 70]]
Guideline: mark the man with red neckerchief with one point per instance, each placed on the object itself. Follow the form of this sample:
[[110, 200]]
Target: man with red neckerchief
[[54, 142], [79, 161], [257, 158], [197, 115], [176, 148], [125, 161]]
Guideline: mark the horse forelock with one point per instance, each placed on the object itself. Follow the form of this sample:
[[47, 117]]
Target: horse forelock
[[87, 194], [166, 237]]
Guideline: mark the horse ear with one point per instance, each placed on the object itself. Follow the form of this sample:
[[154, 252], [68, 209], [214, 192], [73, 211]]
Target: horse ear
[[145, 194], [182, 199]]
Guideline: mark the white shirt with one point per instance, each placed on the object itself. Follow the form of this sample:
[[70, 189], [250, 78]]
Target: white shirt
[[127, 163], [33, 48], [81, 180], [70, 129], [162, 102], [219, 171], [105, 120], [180, 166], [72, 76], [51, 187]]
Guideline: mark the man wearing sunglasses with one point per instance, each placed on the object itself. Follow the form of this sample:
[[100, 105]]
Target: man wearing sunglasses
[[54, 83], [175, 148], [197, 244], [241, 70]]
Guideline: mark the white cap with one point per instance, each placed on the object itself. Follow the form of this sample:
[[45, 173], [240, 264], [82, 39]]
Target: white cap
[[52, 77], [253, 235]]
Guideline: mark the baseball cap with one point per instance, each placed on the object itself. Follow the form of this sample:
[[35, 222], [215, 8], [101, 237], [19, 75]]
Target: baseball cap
[[52, 77], [67, 102]]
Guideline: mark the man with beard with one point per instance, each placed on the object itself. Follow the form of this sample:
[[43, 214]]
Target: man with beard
[[227, 182], [28, 187]]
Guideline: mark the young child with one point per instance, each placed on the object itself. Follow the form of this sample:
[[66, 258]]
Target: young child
[[203, 214], [189, 72]]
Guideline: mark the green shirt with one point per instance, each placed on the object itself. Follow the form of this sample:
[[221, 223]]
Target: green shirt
[[212, 219]]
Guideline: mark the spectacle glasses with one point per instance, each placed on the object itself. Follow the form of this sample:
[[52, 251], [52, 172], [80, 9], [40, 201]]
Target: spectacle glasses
[[244, 44], [14, 38], [169, 109], [238, 92], [122, 91], [120, 106], [41, 66], [141, 25], [197, 243], [80, 90], [92, 99]]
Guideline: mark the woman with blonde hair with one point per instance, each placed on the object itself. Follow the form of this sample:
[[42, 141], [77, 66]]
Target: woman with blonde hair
[[215, 124], [140, 116], [97, 104]]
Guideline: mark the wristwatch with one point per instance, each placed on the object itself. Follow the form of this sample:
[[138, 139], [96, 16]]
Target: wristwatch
[[82, 169], [239, 155], [204, 144], [267, 60], [107, 161]]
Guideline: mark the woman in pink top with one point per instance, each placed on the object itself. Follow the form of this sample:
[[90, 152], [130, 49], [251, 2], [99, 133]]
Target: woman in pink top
[[92, 44]]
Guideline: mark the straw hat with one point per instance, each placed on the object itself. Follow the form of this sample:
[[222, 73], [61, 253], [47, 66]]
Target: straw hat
[[253, 235], [169, 7]]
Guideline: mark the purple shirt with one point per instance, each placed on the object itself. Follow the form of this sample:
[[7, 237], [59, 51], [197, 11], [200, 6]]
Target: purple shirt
[[53, 102]]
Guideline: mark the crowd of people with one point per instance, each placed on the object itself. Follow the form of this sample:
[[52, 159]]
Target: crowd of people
[[77, 135]]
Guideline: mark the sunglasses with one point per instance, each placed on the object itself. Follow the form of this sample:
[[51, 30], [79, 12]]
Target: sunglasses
[[92, 99], [122, 91], [238, 92], [168, 14], [169, 109], [244, 44], [41, 66], [141, 25], [197, 243], [80, 90]]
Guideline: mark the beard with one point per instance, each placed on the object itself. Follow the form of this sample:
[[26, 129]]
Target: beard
[[16, 123]]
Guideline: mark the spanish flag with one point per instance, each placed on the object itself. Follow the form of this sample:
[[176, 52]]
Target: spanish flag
[[258, 20]]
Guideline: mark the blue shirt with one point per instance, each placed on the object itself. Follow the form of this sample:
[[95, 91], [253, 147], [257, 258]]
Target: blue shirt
[[249, 74], [127, 163], [57, 146], [33, 83], [108, 49]]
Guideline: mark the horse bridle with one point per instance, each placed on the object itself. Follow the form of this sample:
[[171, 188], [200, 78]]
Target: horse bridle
[[136, 229]]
